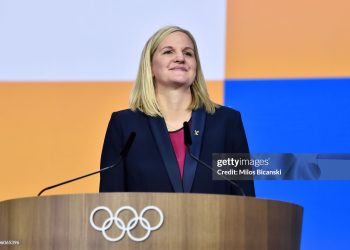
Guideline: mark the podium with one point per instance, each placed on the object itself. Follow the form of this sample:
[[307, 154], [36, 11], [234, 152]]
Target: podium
[[149, 221]]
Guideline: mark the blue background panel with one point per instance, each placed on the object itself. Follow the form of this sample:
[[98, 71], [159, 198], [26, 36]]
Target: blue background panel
[[301, 116]]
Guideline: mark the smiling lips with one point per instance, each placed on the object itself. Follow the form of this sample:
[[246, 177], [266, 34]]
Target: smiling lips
[[179, 68]]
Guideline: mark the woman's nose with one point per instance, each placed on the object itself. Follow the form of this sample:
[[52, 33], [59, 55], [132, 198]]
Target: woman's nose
[[179, 57]]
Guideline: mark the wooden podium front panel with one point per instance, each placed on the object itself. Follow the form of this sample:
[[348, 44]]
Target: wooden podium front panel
[[191, 221]]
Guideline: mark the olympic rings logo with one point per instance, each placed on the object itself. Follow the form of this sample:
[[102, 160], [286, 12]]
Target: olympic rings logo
[[126, 228]]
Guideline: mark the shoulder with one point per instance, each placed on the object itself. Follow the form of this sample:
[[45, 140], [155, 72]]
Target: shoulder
[[224, 112], [127, 114], [128, 120], [225, 117]]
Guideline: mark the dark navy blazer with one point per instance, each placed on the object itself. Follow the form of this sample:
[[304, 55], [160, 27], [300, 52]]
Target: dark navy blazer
[[151, 164]]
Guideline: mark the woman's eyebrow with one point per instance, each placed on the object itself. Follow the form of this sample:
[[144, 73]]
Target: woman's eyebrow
[[171, 47]]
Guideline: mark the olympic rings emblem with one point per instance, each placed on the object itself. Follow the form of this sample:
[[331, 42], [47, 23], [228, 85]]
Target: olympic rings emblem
[[145, 224]]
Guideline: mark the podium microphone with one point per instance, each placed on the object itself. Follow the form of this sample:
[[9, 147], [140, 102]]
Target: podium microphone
[[188, 143], [122, 155]]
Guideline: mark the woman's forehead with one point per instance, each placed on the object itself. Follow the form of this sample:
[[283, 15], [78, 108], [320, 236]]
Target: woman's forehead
[[177, 38]]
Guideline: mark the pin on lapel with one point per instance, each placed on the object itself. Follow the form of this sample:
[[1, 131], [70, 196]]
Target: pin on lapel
[[196, 132]]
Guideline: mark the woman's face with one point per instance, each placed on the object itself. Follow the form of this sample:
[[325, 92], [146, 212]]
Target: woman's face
[[174, 62]]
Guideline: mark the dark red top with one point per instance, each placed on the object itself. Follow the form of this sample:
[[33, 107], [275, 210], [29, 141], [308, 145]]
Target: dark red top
[[177, 139]]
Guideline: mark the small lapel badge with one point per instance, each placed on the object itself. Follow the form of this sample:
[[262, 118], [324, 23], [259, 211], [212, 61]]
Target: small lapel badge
[[196, 132]]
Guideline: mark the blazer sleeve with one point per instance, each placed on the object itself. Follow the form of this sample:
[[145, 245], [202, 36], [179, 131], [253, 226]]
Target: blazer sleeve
[[112, 180], [238, 136], [241, 146]]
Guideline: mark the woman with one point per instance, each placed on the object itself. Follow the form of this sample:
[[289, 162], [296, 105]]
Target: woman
[[169, 90]]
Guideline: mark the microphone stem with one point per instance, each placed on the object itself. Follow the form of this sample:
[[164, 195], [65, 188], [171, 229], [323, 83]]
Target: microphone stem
[[224, 177], [78, 178]]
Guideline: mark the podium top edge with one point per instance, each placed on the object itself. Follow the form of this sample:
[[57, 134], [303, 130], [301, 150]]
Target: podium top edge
[[151, 194]]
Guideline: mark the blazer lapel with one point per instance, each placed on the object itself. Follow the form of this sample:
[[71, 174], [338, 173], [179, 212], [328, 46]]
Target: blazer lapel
[[197, 130], [165, 147]]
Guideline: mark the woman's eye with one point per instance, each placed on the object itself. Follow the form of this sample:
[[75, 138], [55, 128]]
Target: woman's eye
[[189, 54], [167, 52]]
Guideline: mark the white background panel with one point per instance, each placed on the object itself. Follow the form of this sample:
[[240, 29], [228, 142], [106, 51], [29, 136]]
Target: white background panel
[[100, 39]]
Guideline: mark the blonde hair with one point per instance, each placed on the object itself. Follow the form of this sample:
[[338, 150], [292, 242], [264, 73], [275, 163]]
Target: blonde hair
[[143, 96]]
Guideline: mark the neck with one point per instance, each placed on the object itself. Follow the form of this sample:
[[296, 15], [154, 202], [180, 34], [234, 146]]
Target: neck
[[174, 105]]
